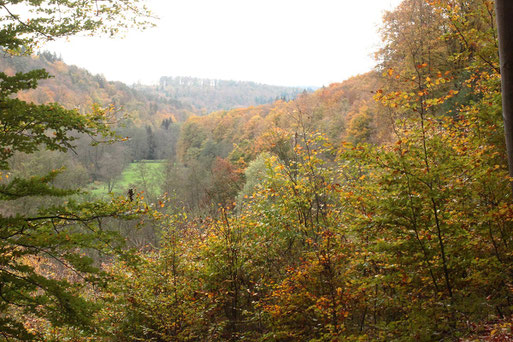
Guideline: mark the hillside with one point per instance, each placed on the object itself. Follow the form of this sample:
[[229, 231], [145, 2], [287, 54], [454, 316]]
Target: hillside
[[75, 87], [374, 209], [208, 95], [343, 111], [175, 99]]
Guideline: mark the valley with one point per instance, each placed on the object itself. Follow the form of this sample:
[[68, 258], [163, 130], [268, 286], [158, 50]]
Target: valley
[[377, 208]]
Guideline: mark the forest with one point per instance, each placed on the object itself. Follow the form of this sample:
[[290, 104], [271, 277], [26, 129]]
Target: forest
[[374, 209]]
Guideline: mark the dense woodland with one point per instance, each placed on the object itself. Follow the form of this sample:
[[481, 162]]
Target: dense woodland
[[208, 95], [375, 209], [174, 99]]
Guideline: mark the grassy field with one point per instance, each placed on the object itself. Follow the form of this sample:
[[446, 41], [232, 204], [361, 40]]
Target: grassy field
[[144, 175]]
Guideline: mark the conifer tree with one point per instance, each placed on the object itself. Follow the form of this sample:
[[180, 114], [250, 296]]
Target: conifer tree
[[56, 236]]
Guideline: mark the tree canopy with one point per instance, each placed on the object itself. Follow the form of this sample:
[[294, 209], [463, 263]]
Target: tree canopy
[[376, 209], [26, 24]]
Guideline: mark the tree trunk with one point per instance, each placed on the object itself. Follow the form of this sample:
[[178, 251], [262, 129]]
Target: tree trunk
[[504, 11]]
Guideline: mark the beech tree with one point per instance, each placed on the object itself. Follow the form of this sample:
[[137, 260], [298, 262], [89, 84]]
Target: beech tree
[[55, 236]]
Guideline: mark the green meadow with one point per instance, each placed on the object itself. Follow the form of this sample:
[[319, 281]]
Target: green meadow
[[143, 175]]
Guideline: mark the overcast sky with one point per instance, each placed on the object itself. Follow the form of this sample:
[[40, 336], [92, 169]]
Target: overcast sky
[[281, 42]]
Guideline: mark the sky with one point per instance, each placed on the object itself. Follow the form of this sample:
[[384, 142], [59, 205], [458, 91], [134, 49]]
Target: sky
[[279, 42]]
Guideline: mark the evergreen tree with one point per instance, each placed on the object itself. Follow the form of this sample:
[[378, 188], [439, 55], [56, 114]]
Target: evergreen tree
[[152, 145], [56, 236]]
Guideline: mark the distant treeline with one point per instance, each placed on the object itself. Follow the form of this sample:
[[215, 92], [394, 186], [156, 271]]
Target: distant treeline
[[210, 95], [173, 100]]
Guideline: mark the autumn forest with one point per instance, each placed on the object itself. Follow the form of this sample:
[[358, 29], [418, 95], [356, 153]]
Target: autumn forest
[[374, 209]]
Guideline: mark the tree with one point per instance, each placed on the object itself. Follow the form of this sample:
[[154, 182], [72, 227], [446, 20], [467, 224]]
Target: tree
[[27, 24], [504, 11], [56, 235], [152, 146]]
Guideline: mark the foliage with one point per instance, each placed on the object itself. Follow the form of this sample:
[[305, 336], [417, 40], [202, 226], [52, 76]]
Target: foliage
[[74, 87], [402, 232], [332, 217], [59, 234], [27, 24]]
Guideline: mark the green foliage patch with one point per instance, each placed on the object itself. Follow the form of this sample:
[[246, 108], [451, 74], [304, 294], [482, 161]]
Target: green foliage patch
[[143, 175]]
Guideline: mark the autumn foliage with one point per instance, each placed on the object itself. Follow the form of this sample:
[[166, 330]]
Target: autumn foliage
[[380, 209], [376, 209]]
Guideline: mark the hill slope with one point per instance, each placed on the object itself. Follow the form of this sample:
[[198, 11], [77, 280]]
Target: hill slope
[[209, 95], [175, 99]]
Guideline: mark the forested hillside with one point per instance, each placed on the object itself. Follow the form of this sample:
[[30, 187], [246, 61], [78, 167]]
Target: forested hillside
[[174, 99], [342, 112], [208, 95], [147, 119], [374, 209], [77, 88]]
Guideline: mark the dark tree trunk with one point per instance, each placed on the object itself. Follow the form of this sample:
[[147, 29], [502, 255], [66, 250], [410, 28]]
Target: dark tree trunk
[[504, 11]]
